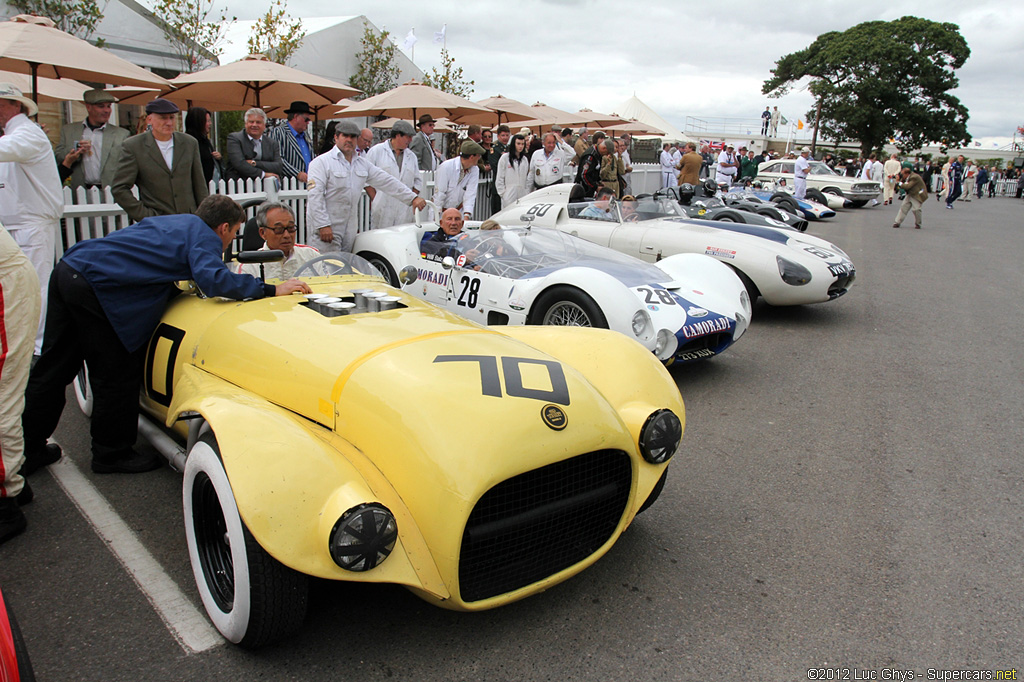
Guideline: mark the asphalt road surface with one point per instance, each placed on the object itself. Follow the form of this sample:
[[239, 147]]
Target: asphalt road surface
[[848, 496]]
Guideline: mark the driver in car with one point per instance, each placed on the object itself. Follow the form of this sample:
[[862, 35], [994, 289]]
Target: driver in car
[[277, 228], [601, 209], [445, 242]]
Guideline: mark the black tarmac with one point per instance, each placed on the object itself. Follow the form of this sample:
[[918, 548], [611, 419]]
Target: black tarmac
[[850, 495]]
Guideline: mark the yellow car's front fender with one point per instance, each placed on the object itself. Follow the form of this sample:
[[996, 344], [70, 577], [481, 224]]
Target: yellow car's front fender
[[292, 480]]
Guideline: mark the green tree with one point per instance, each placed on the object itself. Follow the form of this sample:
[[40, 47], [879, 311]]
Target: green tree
[[195, 38], [377, 70], [77, 17], [276, 34], [449, 78], [883, 80]]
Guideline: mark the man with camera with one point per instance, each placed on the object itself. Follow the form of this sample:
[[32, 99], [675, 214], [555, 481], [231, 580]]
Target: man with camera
[[89, 150]]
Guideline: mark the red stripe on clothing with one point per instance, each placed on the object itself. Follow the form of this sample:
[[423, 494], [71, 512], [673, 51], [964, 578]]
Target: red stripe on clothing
[[3, 357]]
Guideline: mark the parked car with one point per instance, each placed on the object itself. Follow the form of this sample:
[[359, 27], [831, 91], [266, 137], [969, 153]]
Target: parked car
[[822, 178], [731, 207], [683, 308], [396, 443], [782, 265], [782, 196]]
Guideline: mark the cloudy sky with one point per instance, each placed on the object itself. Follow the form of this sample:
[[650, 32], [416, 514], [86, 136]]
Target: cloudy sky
[[684, 59]]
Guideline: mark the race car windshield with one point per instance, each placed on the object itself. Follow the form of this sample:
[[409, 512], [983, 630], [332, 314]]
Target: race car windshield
[[337, 264], [517, 252], [649, 208]]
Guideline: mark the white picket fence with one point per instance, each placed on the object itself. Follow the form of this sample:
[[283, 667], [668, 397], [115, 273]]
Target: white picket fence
[[94, 213]]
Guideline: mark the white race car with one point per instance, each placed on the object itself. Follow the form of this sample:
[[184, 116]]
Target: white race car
[[782, 265], [686, 308]]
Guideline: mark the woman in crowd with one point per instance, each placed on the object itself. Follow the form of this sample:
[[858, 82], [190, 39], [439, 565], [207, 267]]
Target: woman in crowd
[[197, 124], [513, 175]]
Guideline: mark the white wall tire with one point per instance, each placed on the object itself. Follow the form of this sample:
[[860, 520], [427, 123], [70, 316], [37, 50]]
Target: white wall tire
[[83, 391], [250, 597]]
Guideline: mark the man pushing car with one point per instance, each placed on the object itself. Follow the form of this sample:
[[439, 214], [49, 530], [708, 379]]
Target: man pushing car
[[106, 299]]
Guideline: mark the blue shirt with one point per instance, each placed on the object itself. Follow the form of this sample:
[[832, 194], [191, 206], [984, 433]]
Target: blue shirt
[[300, 138], [133, 271]]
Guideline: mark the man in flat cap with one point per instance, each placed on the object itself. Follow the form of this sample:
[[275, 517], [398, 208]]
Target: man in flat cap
[[163, 164], [89, 150], [292, 141], [421, 145], [456, 180], [394, 158], [31, 200], [336, 181]]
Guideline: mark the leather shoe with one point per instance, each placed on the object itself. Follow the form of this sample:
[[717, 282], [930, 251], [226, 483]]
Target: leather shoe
[[132, 463], [12, 520], [917, 227], [34, 461], [25, 496], [895, 225]]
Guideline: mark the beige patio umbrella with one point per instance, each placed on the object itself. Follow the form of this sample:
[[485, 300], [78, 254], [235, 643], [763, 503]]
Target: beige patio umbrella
[[594, 119], [31, 45], [551, 115], [50, 89], [253, 81], [411, 100], [633, 127], [500, 107], [443, 125]]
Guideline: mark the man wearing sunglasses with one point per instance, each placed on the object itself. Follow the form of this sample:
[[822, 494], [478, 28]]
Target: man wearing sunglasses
[[277, 228]]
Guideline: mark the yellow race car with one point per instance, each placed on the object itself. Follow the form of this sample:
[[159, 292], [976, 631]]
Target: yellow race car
[[381, 439]]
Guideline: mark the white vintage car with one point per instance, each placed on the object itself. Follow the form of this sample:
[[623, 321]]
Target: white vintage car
[[823, 179], [688, 307], [782, 265]]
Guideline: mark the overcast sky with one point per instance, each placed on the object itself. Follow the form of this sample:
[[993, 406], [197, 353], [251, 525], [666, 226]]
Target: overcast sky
[[684, 59]]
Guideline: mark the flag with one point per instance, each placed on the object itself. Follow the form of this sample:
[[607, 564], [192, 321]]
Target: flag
[[782, 119], [799, 125], [439, 35], [410, 39], [977, 144]]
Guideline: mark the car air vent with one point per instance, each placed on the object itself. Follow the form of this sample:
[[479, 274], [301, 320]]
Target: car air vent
[[356, 302]]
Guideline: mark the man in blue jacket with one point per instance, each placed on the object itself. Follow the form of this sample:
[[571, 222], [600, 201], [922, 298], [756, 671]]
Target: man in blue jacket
[[106, 298]]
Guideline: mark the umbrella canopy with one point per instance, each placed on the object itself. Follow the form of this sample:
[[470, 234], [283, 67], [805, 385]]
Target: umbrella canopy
[[551, 115], [443, 125], [31, 45], [411, 100], [634, 127], [254, 81], [594, 119], [50, 89], [500, 108]]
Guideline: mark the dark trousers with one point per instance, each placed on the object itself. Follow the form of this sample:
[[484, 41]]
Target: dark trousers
[[77, 329], [954, 193]]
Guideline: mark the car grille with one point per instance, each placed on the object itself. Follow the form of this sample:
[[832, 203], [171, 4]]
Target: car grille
[[711, 342], [541, 522]]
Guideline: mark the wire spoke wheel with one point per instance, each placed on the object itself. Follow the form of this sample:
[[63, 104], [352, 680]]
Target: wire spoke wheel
[[567, 314]]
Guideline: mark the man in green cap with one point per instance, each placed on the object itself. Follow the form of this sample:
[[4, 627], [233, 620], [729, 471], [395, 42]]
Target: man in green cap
[[456, 180], [88, 151]]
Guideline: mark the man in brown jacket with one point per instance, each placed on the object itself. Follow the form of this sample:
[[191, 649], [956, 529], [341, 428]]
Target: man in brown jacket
[[689, 165], [917, 194]]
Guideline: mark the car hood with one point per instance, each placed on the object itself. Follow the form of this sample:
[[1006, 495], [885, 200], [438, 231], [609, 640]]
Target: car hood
[[412, 379]]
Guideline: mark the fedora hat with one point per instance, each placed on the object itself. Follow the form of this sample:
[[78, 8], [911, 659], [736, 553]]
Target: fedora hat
[[299, 108]]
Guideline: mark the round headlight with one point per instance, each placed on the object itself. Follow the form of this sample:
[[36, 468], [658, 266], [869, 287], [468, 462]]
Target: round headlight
[[665, 345], [660, 436], [793, 273], [363, 537], [640, 321]]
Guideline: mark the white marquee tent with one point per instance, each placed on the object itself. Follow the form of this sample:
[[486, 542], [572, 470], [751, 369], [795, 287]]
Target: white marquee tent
[[634, 108]]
